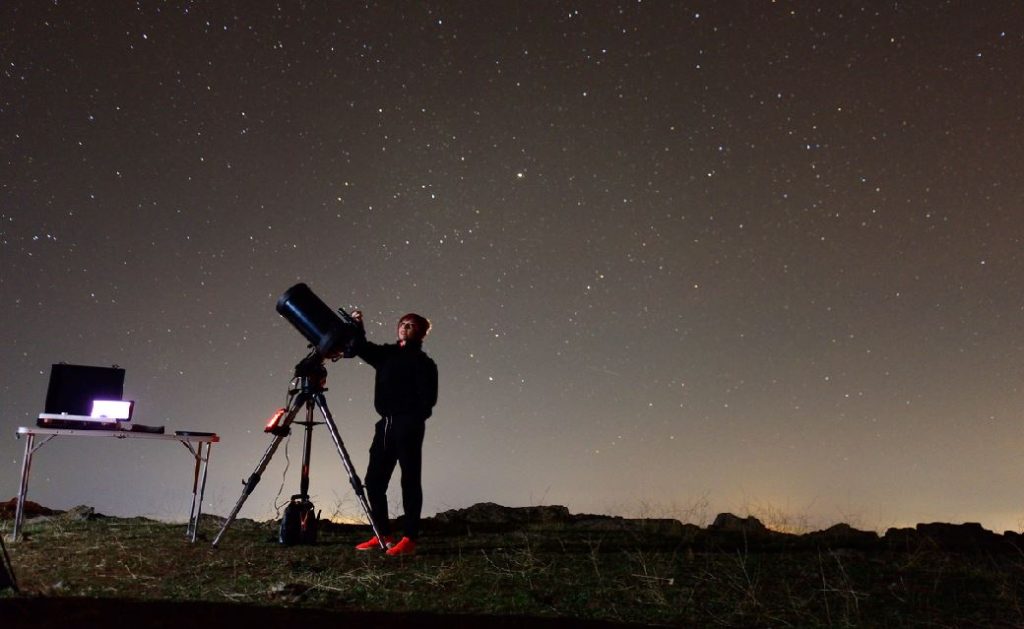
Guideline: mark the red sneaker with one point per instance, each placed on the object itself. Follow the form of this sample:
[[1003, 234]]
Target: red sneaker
[[373, 543], [405, 547]]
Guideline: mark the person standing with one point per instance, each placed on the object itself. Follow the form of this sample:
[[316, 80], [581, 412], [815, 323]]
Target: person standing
[[404, 395]]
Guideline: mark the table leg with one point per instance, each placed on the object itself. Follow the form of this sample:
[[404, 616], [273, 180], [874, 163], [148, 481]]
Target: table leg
[[198, 488], [193, 519], [26, 467], [202, 487]]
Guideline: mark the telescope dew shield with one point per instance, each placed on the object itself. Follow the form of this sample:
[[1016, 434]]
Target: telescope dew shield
[[314, 320]]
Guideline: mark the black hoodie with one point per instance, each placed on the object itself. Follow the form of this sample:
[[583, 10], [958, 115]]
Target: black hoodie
[[406, 381]]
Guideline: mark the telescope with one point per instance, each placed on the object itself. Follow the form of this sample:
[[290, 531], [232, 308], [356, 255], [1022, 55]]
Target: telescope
[[332, 334]]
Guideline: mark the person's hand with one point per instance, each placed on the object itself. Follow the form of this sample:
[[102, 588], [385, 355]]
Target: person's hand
[[357, 316], [359, 337]]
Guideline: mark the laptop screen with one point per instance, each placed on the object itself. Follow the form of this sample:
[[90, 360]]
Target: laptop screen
[[120, 410], [73, 388]]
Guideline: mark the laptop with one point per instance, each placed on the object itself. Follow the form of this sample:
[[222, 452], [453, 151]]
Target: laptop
[[73, 388], [85, 396]]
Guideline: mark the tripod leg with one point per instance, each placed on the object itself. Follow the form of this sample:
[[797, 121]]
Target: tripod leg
[[353, 477], [307, 447], [254, 478], [7, 579]]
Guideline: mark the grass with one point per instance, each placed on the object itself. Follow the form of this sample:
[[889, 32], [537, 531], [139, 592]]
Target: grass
[[556, 572]]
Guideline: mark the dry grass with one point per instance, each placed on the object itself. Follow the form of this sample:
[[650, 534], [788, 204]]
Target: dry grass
[[554, 573]]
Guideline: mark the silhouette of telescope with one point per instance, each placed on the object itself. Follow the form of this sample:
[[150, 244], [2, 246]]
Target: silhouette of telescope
[[332, 334]]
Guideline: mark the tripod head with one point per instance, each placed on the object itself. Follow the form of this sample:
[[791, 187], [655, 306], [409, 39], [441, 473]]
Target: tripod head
[[311, 371], [309, 380]]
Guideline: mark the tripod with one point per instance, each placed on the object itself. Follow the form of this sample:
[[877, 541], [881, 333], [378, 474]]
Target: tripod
[[6, 571], [306, 391]]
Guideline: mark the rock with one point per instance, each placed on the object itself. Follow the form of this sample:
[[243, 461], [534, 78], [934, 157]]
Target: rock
[[969, 536], [901, 538], [729, 523], [81, 512], [843, 535], [32, 509], [731, 531], [489, 513]]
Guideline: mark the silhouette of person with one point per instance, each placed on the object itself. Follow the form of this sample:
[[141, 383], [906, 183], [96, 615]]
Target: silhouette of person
[[404, 394]]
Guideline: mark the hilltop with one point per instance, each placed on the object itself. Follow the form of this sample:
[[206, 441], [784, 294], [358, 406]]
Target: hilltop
[[490, 565]]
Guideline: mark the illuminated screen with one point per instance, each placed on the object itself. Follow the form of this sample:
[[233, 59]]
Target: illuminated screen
[[112, 409]]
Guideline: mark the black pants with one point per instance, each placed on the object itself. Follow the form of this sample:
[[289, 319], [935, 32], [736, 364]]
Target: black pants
[[396, 440]]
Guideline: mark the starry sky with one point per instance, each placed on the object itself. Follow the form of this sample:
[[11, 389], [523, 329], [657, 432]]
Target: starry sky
[[680, 257]]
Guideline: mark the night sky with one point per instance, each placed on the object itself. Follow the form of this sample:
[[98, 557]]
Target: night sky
[[680, 258]]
